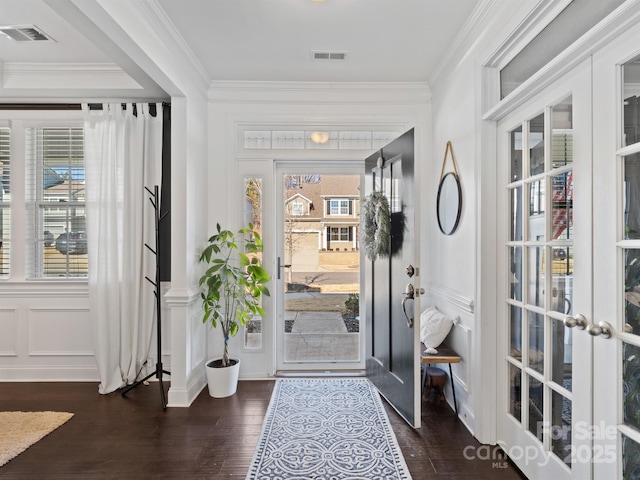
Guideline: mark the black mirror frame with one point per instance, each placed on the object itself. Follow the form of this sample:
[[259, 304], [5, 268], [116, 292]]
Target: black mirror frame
[[441, 199]]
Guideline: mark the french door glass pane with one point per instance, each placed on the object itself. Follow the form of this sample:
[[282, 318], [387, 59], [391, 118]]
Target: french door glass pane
[[536, 407], [631, 384], [561, 427], [631, 165], [536, 145], [515, 279], [515, 391], [516, 155], [536, 294], [630, 458], [561, 359], [562, 279], [515, 214], [536, 191], [562, 206], [562, 134], [632, 290], [631, 102], [515, 322], [536, 342]]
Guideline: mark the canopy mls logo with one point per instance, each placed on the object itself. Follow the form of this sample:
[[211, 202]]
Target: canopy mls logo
[[577, 446]]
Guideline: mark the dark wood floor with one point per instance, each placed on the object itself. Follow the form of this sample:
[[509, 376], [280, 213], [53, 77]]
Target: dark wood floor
[[111, 437]]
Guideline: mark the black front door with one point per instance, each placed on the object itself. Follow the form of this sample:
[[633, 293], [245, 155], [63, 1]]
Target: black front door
[[392, 343]]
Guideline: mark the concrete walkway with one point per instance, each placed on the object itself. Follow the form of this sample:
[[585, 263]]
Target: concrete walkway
[[320, 337]]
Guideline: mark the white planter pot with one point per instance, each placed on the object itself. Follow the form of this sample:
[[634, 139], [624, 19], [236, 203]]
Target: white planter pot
[[222, 382]]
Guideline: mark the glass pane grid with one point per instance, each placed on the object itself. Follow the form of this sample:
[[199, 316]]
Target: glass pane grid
[[540, 289], [320, 139]]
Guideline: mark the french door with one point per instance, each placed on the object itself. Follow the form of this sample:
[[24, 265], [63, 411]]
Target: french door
[[569, 399], [546, 290], [616, 259]]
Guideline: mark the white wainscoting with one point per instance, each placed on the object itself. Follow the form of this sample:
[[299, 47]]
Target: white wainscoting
[[46, 334], [455, 304], [59, 332], [8, 332]]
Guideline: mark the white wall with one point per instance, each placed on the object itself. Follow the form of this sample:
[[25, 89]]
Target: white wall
[[232, 106], [461, 267]]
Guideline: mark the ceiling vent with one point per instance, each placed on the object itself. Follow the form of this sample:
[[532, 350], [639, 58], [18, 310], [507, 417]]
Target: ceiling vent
[[25, 33], [329, 55]]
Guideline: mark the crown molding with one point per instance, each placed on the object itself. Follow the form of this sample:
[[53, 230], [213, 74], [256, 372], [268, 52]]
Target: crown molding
[[465, 40], [171, 38], [66, 75]]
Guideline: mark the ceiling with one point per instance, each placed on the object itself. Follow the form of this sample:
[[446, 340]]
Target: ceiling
[[232, 40]]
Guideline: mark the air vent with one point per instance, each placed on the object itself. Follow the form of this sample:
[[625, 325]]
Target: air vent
[[329, 55], [26, 33]]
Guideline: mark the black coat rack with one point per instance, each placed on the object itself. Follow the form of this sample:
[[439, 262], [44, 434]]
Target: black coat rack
[[155, 201]]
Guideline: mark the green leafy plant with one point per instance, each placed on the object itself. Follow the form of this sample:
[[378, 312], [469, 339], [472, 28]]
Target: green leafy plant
[[234, 281], [352, 304]]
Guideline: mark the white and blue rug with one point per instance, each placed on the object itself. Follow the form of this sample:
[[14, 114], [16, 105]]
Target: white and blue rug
[[333, 429]]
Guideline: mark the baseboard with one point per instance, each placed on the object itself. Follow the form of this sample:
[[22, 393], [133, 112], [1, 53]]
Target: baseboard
[[49, 374], [184, 397]]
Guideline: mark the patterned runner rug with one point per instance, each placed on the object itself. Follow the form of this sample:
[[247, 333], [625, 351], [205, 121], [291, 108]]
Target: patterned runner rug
[[327, 429]]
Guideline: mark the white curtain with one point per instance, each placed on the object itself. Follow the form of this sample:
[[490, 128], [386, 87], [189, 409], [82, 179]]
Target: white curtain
[[123, 155]]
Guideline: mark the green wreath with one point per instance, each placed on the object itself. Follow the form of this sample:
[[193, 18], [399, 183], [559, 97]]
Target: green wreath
[[376, 226]]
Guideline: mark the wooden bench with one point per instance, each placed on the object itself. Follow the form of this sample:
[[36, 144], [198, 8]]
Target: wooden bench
[[445, 355]]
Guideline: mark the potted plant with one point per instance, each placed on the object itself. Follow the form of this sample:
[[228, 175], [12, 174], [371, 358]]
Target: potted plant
[[232, 287]]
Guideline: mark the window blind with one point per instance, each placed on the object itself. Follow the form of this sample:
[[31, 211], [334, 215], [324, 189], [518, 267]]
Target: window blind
[[5, 202], [56, 202]]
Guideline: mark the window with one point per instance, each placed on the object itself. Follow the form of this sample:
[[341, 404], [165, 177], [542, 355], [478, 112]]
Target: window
[[55, 200], [339, 206], [297, 208], [570, 24], [340, 234], [5, 199], [252, 193]]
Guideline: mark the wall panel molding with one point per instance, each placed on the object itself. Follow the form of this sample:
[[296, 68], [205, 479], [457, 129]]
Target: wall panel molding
[[454, 297], [9, 328], [57, 331]]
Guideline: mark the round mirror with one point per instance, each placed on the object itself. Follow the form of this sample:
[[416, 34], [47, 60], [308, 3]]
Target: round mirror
[[449, 203]]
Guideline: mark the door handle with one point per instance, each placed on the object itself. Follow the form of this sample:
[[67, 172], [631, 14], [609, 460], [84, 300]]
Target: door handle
[[409, 294], [579, 321], [281, 266], [603, 329]]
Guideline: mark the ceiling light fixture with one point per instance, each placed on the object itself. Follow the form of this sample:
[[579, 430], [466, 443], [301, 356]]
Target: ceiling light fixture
[[320, 137]]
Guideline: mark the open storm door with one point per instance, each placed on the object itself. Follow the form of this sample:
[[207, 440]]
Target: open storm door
[[392, 343]]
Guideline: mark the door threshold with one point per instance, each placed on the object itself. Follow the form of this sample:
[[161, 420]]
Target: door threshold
[[323, 373]]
